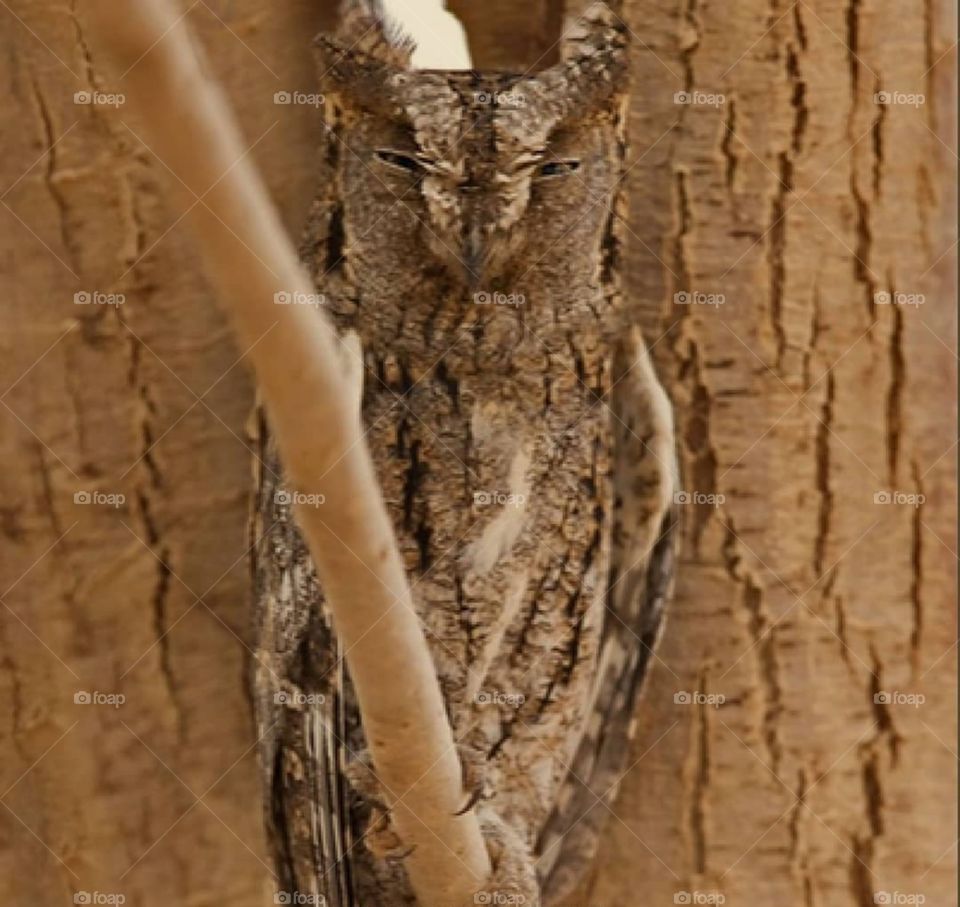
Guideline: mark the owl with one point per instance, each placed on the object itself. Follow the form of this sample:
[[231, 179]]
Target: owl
[[468, 232]]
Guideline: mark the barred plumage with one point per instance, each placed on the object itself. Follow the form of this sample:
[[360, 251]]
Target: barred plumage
[[522, 441]]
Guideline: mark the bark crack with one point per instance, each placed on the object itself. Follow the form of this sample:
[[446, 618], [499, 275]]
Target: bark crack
[[853, 45], [825, 511], [764, 635], [916, 554], [840, 623], [864, 246], [82, 44], [876, 135], [697, 441], [50, 179], [863, 272], [865, 844], [801, 114], [895, 392], [777, 252], [799, 851], [731, 159], [690, 43], [150, 486], [883, 717]]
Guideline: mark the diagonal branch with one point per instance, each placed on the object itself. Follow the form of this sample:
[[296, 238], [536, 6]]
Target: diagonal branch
[[298, 357]]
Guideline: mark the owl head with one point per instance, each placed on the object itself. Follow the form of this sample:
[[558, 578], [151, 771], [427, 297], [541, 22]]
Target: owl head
[[485, 174]]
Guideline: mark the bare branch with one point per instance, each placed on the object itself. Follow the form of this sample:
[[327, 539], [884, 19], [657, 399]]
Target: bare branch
[[298, 357]]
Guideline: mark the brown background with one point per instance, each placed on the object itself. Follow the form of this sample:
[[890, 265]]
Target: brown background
[[799, 399]]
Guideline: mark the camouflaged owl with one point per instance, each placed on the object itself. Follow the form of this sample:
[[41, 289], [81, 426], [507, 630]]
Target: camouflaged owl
[[467, 231]]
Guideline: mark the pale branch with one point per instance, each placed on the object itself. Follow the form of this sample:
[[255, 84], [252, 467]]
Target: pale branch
[[298, 357]]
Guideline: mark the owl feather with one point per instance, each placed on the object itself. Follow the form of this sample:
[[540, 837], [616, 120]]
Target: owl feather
[[468, 236]]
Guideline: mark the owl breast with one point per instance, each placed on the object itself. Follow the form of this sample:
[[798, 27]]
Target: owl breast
[[498, 484]]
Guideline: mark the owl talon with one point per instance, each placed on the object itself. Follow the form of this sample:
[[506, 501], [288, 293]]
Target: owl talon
[[362, 778], [379, 837], [381, 840], [473, 800]]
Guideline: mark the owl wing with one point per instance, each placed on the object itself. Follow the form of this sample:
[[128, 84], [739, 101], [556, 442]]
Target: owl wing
[[314, 819], [641, 574], [305, 715]]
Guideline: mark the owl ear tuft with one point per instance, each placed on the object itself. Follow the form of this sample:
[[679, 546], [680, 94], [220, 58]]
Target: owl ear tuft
[[355, 78], [368, 28], [598, 34], [365, 58], [593, 67]]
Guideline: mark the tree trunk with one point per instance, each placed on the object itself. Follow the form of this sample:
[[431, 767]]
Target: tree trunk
[[147, 400], [800, 601], [800, 771]]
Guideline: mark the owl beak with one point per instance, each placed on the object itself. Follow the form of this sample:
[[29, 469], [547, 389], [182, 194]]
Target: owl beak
[[474, 258]]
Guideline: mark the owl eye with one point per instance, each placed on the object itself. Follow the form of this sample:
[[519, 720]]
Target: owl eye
[[400, 161], [558, 168]]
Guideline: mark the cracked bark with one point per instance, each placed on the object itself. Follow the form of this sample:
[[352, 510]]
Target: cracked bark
[[774, 201], [113, 614], [799, 500]]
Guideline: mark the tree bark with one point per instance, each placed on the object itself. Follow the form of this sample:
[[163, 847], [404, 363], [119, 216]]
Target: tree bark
[[800, 600], [149, 400]]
